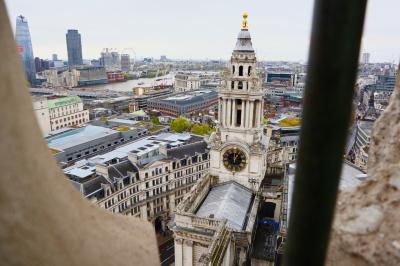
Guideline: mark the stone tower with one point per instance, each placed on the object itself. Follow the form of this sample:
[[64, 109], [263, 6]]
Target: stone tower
[[239, 147]]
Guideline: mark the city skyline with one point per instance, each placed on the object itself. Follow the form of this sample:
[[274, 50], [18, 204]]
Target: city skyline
[[180, 30]]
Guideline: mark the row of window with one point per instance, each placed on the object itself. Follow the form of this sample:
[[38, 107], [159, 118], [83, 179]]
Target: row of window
[[155, 191], [65, 119], [73, 123]]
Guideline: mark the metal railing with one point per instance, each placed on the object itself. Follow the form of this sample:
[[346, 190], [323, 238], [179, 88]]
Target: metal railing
[[333, 63]]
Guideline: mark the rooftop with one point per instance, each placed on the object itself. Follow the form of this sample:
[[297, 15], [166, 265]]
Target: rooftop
[[366, 126], [243, 43], [123, 121], [58, 102], [78, 136], [87, 167], [229, 201], [187, 96]]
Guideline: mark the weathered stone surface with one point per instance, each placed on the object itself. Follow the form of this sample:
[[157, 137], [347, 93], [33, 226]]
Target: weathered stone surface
[[366, 230], [44, 221]]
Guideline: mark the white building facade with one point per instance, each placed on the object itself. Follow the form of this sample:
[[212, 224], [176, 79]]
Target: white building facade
[[59, 113], [65, 78], [41, 111], [186, 82], [240, 113]]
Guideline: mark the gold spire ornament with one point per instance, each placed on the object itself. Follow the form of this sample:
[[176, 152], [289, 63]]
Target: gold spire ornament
[[244, 21]]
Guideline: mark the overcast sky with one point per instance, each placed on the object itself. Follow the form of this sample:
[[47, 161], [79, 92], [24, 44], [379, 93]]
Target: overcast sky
[[193, 29]]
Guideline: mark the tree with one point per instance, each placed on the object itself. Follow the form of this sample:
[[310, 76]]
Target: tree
[[180, 124], [200, 129], [155, 120], [289, 122]]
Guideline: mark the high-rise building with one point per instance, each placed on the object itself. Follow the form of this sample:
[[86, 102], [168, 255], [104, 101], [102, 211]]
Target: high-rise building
[[24, 46], [54, 57], [111, 60], [125, 62], [41, 64], [74, 47], [365, 58]]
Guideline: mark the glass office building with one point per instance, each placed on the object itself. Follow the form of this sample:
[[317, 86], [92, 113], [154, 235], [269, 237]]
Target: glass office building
[[74, 48], [24, 46]]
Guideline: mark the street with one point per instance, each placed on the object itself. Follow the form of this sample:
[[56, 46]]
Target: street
[[167, 253]]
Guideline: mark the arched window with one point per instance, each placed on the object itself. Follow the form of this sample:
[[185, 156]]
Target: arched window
[[232, 85], [233, 69], [240, 85], [249, 71], [240, 70]]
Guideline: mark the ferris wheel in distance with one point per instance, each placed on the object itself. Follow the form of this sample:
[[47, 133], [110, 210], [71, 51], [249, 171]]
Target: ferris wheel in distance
[[132, 55]]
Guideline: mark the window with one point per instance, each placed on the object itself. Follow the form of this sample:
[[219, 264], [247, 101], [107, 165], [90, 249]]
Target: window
[[249, 71], [232, 85], [240, 71], [233, 69], [240, 85]]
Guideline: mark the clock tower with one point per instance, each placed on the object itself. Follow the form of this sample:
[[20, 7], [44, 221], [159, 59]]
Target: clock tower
[[238, 148]]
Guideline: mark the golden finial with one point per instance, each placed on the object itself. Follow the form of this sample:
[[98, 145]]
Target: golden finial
[[244, 21]]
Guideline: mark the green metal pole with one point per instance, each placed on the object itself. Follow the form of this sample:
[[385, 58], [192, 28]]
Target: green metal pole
[[333, 62]]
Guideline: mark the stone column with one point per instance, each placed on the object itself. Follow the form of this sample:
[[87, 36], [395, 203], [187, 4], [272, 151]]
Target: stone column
[[226, 113], [251, 114], [219, 110], [234, 113], [188, 252], [257, 114], [229, 113], [248, 114], [223, 112], [178, 252], [261, 109], [243, 113]]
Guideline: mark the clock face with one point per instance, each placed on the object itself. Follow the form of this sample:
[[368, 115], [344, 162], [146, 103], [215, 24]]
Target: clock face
[[234, 159]]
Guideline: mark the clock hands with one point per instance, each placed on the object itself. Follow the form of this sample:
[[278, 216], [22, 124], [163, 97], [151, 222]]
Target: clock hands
[[235, 155]]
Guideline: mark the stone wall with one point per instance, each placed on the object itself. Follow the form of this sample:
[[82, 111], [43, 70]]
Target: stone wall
[[44, 220], [366, 230]]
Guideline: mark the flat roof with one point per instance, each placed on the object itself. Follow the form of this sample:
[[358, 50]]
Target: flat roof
[[230, 201], [123, 121], [188, 95], [87, 167], [78, 136]]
